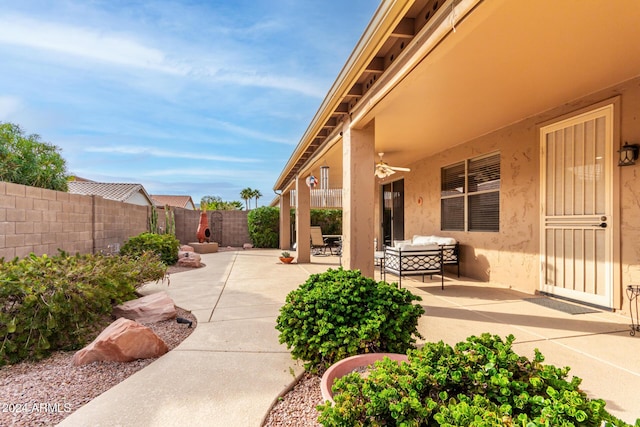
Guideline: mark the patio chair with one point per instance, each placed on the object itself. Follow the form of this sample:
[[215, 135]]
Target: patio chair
[[319, 244]]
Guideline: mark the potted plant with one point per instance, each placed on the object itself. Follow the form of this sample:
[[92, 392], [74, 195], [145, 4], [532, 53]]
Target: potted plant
[[286, 257]]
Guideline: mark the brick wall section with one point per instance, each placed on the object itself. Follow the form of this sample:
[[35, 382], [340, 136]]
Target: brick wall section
[[234, 230], [115, 222], [40, 221]]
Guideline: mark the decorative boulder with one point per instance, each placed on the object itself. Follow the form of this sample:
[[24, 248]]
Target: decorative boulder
[[148, 309], [122, 341], [189, 259], [186, 248]]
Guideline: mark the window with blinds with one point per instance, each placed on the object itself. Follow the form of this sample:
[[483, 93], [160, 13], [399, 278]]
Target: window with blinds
[[470, 195]]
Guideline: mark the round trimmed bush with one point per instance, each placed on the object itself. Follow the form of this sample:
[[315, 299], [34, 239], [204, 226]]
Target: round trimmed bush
[[341, 313], [164, 245]]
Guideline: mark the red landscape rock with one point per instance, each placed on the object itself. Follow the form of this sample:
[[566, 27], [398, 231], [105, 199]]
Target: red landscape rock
[[189, 259], [122, 341], [148, 309], [186, 248]]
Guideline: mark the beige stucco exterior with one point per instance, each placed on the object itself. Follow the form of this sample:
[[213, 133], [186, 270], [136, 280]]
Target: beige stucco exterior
[[511, 256], [478, 77]]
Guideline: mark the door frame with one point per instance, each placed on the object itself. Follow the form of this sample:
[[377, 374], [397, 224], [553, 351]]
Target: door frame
[[614, 267], [393, 218]]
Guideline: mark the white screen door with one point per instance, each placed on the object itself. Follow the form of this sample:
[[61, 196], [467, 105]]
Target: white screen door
[[576, 252]]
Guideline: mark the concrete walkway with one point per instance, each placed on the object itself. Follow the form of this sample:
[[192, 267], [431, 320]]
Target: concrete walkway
[[230, 370]]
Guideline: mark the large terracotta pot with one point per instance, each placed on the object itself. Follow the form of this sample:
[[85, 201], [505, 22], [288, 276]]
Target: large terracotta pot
[[349, 364], [203, 232]]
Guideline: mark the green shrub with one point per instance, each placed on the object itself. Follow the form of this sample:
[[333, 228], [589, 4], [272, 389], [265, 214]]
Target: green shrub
[[329, 220], [264, 226], [341, 313], [53, 303], [165, 245], [480, 382]]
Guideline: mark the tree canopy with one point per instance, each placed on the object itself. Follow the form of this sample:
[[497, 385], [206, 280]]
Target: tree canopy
[[215, 203], [248, 194], [26, 160]]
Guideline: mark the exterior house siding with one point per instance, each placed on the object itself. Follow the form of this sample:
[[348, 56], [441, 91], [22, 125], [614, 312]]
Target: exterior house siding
[[511, 257]]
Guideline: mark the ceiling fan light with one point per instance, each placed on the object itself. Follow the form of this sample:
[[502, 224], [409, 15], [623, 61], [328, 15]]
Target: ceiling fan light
[[382, 172]]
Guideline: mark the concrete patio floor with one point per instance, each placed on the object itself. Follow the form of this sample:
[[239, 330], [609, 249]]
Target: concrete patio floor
[[597, 346], [231, 369]]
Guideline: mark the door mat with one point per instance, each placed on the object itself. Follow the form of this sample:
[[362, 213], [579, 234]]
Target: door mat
[[561, 306]]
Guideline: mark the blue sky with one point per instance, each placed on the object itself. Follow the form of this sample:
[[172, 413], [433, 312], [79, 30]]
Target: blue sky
[[185, 97]]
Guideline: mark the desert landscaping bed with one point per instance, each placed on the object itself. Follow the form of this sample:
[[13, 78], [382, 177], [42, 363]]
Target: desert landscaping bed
[[43, 393]]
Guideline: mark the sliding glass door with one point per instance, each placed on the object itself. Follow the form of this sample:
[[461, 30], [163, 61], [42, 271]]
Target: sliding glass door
[[392, 212]]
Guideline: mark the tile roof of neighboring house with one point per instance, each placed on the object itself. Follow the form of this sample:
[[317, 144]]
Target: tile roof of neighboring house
[[112, 191], [176, 201]]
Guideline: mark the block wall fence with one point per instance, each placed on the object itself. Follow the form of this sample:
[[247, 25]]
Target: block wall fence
[[41, 221]]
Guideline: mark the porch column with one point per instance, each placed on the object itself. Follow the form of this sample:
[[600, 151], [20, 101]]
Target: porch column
[[285, 220], [303, 220], [358, 183]]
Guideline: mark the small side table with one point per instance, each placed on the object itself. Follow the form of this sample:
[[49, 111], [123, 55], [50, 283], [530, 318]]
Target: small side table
[[378, 258], [633, 292]]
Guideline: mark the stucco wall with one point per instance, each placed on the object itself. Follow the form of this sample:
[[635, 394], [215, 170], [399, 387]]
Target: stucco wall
[[511, 256], [630, 188]]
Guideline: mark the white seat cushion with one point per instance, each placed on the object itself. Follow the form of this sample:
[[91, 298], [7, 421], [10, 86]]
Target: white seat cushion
[[420, 247], [432, 240]]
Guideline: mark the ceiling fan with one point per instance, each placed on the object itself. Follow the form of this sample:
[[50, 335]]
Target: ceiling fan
[[383, 170]]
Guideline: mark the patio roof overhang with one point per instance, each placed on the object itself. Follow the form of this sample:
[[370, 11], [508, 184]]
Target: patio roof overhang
[[472, 67]]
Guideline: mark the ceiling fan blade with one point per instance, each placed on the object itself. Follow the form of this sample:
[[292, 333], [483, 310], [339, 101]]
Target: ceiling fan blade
[[383, 171]]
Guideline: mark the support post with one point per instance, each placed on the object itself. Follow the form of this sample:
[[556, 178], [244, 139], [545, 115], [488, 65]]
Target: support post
[[303, 220], [358, 154]]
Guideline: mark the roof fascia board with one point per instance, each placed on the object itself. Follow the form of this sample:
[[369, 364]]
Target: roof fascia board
[[385, 19], [424, 42]]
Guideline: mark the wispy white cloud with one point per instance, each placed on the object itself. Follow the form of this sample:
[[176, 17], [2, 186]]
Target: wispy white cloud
[[121, 49], [8, 106], [202, 173], [208, 97], [113, 48], [155, 152], [244, 131]]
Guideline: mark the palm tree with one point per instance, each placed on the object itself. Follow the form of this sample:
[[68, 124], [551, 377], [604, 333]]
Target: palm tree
[[246, 194], [257, 194]]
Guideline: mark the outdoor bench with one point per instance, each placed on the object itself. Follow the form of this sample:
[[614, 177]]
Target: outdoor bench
[[417, 260], [406, 257]]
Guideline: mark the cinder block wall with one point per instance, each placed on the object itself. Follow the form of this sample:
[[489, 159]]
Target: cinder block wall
[[40, 221], [229, 228], [115, 222]]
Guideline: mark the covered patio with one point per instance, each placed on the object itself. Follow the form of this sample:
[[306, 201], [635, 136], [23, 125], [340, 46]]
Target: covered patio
[[544, 93]]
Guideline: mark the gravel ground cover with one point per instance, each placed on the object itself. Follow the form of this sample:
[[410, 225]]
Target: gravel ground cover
[[43, 393], [297, 408]]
